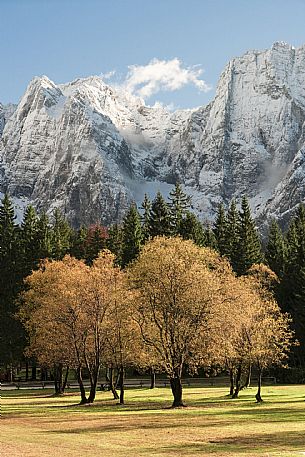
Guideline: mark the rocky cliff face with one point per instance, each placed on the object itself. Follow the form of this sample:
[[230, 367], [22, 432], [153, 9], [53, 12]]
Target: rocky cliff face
[[90, 149]]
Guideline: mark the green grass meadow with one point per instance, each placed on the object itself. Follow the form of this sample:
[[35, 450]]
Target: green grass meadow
[[34, 423]]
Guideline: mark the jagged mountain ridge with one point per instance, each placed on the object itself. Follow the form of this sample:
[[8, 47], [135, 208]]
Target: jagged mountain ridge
[[90, 149]]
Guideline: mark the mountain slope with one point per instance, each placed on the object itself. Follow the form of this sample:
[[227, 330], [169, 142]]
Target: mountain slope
[[90, 149]]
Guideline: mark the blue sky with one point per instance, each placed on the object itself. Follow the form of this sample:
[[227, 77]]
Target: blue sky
[[66, 39]]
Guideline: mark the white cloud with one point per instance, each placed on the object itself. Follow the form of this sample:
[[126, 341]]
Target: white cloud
[[161, 75], [108, 75]]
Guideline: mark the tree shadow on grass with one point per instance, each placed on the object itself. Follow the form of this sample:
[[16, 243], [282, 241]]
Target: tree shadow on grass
[[256, 443], [273, 414], [135, 424]]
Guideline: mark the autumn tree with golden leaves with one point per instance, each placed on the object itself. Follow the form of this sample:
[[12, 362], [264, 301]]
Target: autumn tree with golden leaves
[[177, 284], [68, 309]]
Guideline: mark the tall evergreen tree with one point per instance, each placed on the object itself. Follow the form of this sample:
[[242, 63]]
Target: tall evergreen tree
[[179, 204], [29, 242], [11, 332], [209, 237], [131, 236], [191, 229], [78, 243], [249, 245], [61, 236], [232, 235], [276, 250], [295, 264], [44, 237], [160, 217], [220, 230], [115, 242], [145, 218], [292, 290]]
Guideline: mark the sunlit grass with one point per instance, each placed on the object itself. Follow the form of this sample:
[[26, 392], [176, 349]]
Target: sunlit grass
[[37, 424]]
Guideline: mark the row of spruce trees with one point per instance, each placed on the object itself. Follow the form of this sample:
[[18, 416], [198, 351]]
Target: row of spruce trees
[[233, 235]]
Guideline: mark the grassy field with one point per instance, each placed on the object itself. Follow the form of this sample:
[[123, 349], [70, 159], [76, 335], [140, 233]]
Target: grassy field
[[36, 424]]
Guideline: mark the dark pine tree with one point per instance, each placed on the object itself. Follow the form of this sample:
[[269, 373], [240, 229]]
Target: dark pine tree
[[29, 242], [78, 243], [232, 235], [160, 222], [145, 218], [292, 296], [115, 242], [220, 230], [209, 237], [179, 204], [275, 249], [61, 235], [44, 237], [132, 237], [12, 339], [191, 229], [249, 245]]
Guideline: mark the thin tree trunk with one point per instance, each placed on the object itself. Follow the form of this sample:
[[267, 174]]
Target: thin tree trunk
[[58, 379], [259, 385], [34, 371], [107, 377], [11, 373], [248, 377], [176, 387], [93, 385], [112, 385], [231, 382], [26, 370], [152, 378], [237, 382], [43, 374], [81, 386], [65, 379], [121, 384]]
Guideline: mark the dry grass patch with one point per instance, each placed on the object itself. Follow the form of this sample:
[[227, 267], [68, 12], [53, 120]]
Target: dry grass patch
[[36, 424]]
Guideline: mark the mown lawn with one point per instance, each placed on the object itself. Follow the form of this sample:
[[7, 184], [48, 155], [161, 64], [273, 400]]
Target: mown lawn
[[36, 424]]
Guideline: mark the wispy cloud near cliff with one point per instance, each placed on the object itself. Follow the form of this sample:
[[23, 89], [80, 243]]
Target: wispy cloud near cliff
[[161, 75]]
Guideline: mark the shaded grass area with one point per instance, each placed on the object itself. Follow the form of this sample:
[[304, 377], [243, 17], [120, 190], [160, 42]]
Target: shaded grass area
[[37, 424]]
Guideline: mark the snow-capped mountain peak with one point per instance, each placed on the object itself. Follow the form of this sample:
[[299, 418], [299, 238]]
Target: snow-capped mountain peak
[[90, 148]]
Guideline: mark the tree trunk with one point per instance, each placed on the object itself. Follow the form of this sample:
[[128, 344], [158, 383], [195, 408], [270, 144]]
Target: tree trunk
[[259, 385], [26, 370], [93, 384], [65, 379], [237, 382], [58, 379], [34, 371], [152, 378], [248, 377], [112, 385], [11, 373], [176, 387], [43, 374], [231, 382], [121, 384], [107, 375], [81, 386]]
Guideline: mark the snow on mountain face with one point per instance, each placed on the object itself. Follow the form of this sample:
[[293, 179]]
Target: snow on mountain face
[[6, 111], [90, 149]]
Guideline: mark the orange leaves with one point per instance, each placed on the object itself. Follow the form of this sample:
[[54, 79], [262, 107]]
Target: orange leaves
[[176, 304], [178, 284], [68, 308]]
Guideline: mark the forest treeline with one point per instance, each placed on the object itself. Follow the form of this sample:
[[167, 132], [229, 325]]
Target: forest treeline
[[233, 235]]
